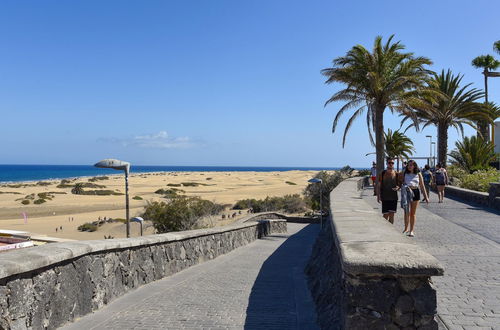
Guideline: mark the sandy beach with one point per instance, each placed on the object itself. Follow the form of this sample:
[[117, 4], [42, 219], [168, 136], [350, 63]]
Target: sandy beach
[[68, 210]]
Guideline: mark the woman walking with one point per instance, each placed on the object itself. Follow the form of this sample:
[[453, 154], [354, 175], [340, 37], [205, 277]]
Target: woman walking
[[412, 187], [427, 175], [440, 180]]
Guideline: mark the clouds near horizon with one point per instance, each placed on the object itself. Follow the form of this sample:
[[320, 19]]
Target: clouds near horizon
[[160, 140]]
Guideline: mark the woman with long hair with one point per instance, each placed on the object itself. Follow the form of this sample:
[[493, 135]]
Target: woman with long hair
[[413, 187], [440, 180]]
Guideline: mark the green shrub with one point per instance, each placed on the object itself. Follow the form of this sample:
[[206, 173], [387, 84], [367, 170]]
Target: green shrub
[[137, 198], [77, 189], [92, 185], [102, 192], [39, 201], [312, 191], [181, 213], [346, 170], [97, 178], [43, 183], [10, 192], [88, 227], [173, 191], [480, 180], [364, 172], [30, 196], [174, 185], [287, 204], [291, 183], [65, 185], [190, 184], [25, 201], [45, 195]]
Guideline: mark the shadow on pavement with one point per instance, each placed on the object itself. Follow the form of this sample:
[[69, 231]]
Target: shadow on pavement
[[280, 298]]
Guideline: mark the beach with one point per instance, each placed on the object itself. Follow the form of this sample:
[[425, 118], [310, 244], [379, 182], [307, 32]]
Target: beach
[[67, 210]]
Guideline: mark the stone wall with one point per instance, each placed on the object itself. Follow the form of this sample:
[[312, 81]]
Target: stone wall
[[477, 197], [365, 275], [46, 286]]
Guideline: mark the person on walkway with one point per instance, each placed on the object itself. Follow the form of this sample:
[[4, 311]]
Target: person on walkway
[[413, 186], [440, 180], [387, 190], [374, 176], [427, 175], [403, 166]]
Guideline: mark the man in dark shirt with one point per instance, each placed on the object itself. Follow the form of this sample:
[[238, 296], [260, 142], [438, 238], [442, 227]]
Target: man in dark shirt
[[387, 190]]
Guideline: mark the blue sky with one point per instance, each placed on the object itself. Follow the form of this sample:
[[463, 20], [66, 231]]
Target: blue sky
[[218, 82]]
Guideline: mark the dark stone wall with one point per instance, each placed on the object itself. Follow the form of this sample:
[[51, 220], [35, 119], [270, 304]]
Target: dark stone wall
[[50, 297], [324, 272], [345, 301], [471, 196]]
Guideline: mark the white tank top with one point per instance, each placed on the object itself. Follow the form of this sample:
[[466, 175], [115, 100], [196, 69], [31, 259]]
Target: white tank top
[[412, 180]]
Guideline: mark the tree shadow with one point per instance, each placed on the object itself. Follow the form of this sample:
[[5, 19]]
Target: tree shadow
[[280, 297]]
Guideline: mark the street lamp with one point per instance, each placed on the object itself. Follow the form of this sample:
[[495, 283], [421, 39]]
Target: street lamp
[[434, 158], [139, 220], [316, 180], [121, 166], [430, 149]]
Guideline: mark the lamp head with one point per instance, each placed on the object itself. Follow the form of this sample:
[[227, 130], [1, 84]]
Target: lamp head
[[114, 164]]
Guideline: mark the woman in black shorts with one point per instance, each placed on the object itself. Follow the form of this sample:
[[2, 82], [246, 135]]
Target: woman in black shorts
[[413, 180]]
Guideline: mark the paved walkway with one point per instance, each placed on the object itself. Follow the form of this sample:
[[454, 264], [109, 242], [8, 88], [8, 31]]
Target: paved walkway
[[466, 240], [259, 286]]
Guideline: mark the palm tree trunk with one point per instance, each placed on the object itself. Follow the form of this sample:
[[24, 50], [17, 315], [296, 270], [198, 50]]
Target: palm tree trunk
[[483, 126], [442, 144], [379, 137]]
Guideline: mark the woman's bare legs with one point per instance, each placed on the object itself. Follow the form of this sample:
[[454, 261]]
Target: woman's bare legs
[[413, 211], [407, 222], [440, 193]]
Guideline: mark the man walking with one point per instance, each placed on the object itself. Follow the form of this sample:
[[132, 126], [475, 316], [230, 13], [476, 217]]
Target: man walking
[[387, 190], [374, 177]]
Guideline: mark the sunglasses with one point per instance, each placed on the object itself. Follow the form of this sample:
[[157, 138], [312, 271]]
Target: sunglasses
[[390, 162]]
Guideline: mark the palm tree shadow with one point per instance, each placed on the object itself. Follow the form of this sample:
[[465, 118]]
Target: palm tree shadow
[[280, 297]]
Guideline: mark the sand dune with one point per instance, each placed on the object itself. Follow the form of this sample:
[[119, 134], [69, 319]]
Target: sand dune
[[221, 187]]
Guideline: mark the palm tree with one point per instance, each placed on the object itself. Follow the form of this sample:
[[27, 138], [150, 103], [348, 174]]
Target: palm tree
[[456, 106], [473, 154], [383, 78], [496, 46], [493, 111], [487, 63], [398, 145]]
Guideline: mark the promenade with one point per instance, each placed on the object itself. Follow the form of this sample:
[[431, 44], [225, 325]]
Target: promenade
[[259, 286], [466, 240]]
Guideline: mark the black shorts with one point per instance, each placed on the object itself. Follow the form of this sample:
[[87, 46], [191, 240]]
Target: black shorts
[[416, 194], [389, 207]]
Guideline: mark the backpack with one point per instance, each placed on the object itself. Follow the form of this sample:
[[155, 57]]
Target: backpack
[[427, 176], [440, 181]]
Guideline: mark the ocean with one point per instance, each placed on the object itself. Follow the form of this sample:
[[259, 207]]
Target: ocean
[[15, 173]]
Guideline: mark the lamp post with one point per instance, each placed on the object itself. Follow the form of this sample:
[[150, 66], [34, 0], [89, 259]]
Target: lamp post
[[316, 180], [430, 149], [434, 157], [139, 220], [121, 166]]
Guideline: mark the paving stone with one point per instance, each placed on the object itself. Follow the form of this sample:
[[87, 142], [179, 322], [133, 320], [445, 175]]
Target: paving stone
[[465, 238], [259, 286]]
